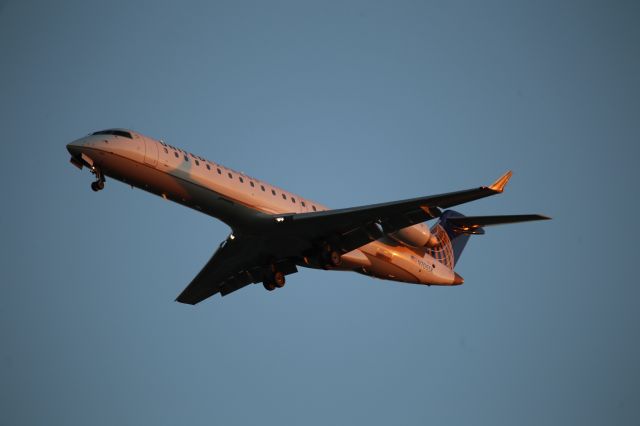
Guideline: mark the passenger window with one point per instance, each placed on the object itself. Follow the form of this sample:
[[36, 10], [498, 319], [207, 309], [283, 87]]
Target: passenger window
[[273, 191], [241, 180], [262, 187], [284, 197], [219, 172], [186, 158], [208, 167], [230, 175], [303, 204], [166, 151], [293, 200], [175, 153], [251, 183], [314, 208], [197, 163]]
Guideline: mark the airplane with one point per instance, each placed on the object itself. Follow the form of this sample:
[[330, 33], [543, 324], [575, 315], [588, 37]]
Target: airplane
[[273, 231]]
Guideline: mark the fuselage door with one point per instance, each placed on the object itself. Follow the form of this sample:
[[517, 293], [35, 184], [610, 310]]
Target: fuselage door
[[150, 152]]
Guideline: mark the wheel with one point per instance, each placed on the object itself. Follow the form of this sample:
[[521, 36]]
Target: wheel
[[269, 286], [334, 258], [100, 184], [278, 279], [330, 257], [94, 186]]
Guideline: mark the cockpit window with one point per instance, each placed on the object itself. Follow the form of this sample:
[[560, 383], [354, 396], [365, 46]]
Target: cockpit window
[[114, 132]]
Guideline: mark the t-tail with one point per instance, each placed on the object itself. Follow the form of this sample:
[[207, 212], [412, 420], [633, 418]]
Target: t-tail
[[453, 230]]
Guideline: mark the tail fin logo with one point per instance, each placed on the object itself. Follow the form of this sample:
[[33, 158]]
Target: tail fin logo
[[443, 252]]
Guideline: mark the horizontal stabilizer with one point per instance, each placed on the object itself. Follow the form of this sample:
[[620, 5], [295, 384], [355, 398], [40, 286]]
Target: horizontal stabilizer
[[470, 223]]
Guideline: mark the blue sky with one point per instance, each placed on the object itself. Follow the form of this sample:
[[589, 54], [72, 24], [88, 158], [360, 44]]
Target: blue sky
[[347, 103]]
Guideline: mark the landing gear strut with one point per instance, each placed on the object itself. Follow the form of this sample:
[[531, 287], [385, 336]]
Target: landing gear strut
[[98, 184]]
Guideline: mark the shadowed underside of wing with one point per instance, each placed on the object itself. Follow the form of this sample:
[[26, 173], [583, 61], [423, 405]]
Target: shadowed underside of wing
[[239, 261]]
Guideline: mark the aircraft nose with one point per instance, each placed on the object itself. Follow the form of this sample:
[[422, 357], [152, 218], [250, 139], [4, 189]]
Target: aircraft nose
[[75, 147]]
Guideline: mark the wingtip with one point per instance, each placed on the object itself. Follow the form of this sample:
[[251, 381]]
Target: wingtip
[[501, 182], [184, 300]]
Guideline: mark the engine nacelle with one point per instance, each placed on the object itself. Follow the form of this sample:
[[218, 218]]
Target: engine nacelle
[[418, 235]]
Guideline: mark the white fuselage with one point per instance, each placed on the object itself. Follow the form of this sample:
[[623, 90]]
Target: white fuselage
[[234, 197]]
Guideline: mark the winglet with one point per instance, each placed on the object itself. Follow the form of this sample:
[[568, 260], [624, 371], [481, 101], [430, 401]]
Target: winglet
[[499, 184]]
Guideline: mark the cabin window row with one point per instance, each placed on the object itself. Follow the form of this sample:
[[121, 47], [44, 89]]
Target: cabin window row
[[229, 174]]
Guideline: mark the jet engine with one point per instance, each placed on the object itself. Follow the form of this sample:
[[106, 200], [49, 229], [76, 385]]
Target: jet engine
[[418, 235]]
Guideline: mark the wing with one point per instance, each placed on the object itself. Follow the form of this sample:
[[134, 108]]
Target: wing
[[237, 263], [348, 229]]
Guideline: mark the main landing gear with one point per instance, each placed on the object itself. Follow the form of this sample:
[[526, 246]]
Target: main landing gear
[[274, 280], [330, 257], [98, 184]]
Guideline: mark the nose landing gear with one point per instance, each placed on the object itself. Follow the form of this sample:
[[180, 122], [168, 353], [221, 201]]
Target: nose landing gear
[[98, 184]]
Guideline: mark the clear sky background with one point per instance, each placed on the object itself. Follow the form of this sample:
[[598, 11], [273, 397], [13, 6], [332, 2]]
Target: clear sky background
[[347, 103]]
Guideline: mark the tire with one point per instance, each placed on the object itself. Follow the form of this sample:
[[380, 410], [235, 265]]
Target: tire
[[279, 279], [334, 258]]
